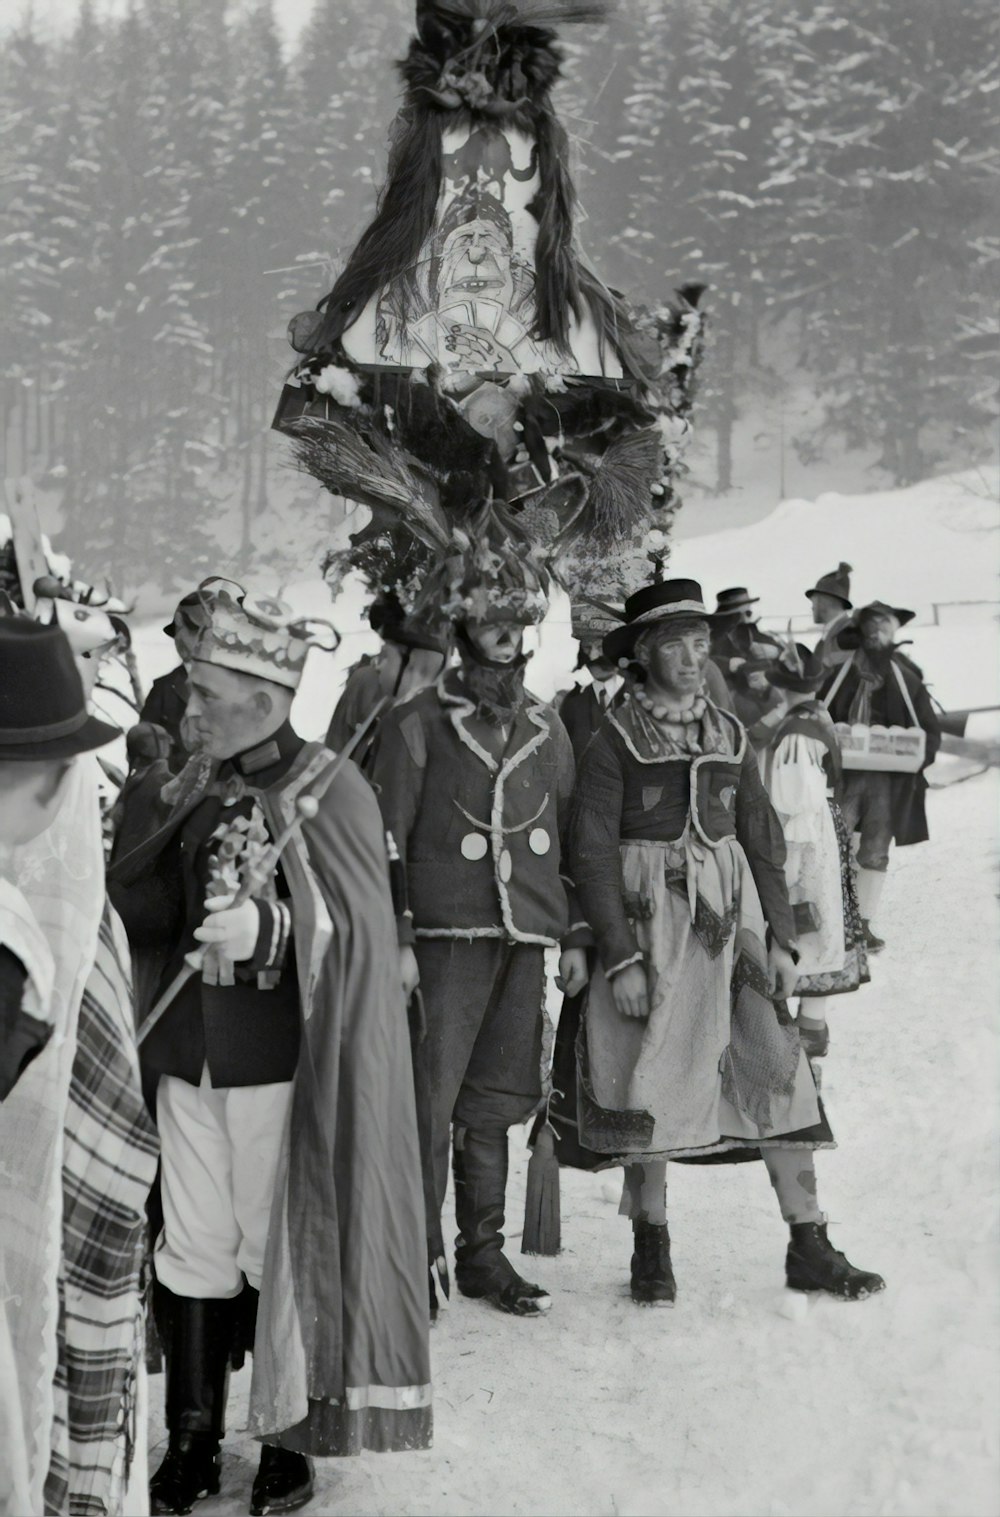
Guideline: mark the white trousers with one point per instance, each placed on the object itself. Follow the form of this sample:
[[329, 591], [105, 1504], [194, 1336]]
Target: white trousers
[[218, 1154]]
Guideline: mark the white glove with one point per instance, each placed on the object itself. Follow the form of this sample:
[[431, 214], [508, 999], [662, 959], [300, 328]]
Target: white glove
[[232, 929]]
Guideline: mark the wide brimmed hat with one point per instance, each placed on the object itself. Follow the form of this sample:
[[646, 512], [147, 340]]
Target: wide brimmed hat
[[836, 584], [663, 602], [879, 608], [804, 675], [728, 601], [43, 710]]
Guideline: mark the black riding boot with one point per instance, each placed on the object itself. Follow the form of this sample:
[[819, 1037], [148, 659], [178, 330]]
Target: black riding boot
[[652, 1274], [482, 1270], [196, 1339], [813, 1264], [283, 1483]]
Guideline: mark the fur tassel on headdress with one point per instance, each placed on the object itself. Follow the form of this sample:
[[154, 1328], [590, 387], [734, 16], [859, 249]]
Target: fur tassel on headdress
[[373, 472]]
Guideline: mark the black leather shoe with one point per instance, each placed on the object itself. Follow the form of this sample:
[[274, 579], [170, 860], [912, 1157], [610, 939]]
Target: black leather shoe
[[872, 943], [189, 1472], [283, 1483], [652, 1282], [813, 1264], [499, 1283], [482, 1270]]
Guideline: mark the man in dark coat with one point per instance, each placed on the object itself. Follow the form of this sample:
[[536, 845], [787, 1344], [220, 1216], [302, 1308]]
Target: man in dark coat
[[582, 709], [830, 598], [411, 657], [282, 1078], [474, 776], [879, 686], [166, 703], [743, 652]]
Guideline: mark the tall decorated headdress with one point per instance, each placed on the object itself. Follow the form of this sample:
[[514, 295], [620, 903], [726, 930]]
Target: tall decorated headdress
[[468, 358], [252, 635]]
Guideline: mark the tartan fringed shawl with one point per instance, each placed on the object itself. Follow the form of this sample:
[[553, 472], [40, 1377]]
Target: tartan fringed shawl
[[109, 1163]]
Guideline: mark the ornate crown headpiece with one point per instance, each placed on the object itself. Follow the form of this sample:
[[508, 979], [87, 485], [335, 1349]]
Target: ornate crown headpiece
[[254, 634]]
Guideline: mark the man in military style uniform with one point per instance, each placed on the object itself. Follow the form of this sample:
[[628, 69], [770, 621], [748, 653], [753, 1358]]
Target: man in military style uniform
[[281, 1076]]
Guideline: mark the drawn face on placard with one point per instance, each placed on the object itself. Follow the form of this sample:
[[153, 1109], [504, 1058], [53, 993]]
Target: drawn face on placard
[[468, 303], [476, 261]]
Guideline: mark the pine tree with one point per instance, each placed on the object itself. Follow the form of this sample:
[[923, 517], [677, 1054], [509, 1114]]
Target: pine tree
[[894, 138]]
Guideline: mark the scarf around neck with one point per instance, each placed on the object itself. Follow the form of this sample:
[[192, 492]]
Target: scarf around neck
[[496, 689]]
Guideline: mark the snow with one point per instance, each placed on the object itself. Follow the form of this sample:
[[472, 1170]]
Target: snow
[[934, 542], [744, 1398]]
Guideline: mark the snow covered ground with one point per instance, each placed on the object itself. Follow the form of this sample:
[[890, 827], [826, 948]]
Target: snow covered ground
[[745, 1399]]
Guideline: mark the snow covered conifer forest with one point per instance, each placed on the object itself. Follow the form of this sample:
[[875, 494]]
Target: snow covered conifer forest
[[183, 177]]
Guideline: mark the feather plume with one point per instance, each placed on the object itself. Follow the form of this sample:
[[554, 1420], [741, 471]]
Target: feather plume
[[372, 471]]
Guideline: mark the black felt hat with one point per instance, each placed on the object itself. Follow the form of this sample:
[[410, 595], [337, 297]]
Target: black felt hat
[[729, 601], [808, 676], [879, 608], [662, 602], [836, 584], [43, 710]]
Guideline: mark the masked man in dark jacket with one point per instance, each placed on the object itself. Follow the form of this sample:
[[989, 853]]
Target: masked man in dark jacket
[[474, 776]]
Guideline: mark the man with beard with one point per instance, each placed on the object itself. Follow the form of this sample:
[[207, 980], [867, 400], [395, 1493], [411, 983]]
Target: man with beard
[[474, 776], [880, 686]]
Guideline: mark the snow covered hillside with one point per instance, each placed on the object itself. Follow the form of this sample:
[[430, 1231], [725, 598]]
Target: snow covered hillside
[[935, 542], [745, 1399]]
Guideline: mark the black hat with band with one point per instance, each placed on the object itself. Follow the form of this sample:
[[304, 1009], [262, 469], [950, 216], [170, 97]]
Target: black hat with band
[[737, 598], [667, 601], [43, 710]]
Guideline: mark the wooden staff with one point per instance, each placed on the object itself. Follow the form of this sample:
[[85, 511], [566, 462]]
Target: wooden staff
[[306, 808]]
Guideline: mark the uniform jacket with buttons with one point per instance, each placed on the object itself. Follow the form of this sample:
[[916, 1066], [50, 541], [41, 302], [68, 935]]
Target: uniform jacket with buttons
[[479, 816], [246, 1032]]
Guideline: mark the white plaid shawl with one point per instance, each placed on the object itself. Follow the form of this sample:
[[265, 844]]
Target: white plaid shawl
[[109, 1162]]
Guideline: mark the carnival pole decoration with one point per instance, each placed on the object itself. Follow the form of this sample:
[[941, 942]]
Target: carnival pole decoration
[[469, 371]]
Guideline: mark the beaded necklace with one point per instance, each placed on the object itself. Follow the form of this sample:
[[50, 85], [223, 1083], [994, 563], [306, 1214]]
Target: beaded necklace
[[662, 711]]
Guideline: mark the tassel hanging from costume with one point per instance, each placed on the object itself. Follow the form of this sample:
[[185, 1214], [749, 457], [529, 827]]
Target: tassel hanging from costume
[[542, 1224]]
